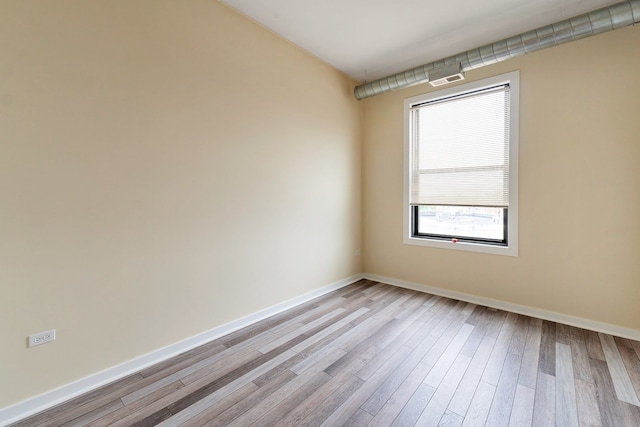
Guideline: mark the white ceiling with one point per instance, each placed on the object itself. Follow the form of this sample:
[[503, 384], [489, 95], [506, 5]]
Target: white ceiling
[[369, 39]]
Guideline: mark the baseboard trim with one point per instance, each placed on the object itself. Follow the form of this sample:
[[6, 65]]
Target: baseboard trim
[[66, 392], [515, 308]]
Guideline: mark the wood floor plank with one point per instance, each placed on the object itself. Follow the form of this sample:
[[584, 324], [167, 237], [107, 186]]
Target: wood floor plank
[[431, 318], [183, 360], [311, 352], [566, 405], [229, 382], [632, 363], [201, 394], [223, 404], [440, 346], [127, 410], [136, 411], [519, 337], [321, 404], [547, 359], [353, 361], [219, 368], [287, 397], [531, 355], [417, 338], [544, 407], [563, 334], [478, 411], [451, 419], [594, 348], [380, 397], [362, 335], [301, 329], [448, 319], [401, 396], [400, 332], [476, 337], [440, 369], [97, 413], [468, 308], [478, 313], [319, 360], [636, 346], [422, 344], [413, 304], [253, 399], [275, 322], [246, 333], [153, 420], [621, 381], [588, 412], [498, 318], [502, 404], [372, 285], [522, 412], [580, 356], [234, 379], [314, 335], [433, 301], [326, 312], [613, 412], [359, 419], [355, 289], [388, 300], [382, 358], [415, 406], [500, 349], [352, 404], [437, 405], [158, 380], [419, 313], [471, 379], [623, 342]]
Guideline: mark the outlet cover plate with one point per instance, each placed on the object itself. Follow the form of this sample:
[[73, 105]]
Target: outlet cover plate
[[42, 338]]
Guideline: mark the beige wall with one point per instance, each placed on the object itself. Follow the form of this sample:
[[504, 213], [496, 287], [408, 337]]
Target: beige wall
[[579, 188], [165, 167]]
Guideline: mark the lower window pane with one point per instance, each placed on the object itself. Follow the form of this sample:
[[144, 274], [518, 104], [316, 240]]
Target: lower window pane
[[462, 221]]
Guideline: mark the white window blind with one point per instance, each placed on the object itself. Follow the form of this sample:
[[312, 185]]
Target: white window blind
[[460, 150]]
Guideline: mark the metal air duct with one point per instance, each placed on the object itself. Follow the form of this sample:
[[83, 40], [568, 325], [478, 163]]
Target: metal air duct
[[598, 21]]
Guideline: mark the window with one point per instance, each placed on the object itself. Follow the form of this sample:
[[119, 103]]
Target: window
[[461, 158]]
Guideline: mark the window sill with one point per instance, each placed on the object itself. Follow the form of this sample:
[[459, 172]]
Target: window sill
[[511, 250]]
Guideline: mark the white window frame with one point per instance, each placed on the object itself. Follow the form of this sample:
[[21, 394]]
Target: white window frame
[[513, 79]]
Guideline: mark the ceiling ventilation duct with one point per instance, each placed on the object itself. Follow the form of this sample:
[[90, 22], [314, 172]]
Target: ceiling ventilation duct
[[599, 21]]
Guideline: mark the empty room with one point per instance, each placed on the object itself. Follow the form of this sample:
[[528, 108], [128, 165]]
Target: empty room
[[288, 213]]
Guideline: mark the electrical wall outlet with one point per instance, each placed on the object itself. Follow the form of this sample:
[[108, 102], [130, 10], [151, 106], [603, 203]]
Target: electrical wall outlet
[[42, 338]]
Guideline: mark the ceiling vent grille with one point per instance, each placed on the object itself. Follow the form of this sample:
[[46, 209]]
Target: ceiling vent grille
[[445, 75]]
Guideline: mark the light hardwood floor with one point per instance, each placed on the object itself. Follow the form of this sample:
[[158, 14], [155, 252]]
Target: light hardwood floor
[[373, 354]]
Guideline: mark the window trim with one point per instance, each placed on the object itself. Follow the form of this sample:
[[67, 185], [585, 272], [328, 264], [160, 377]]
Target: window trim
[[513, 79]]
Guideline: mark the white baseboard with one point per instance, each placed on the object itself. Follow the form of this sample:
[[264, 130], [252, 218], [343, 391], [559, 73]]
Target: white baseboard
[[515, 308], [54, 397]]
